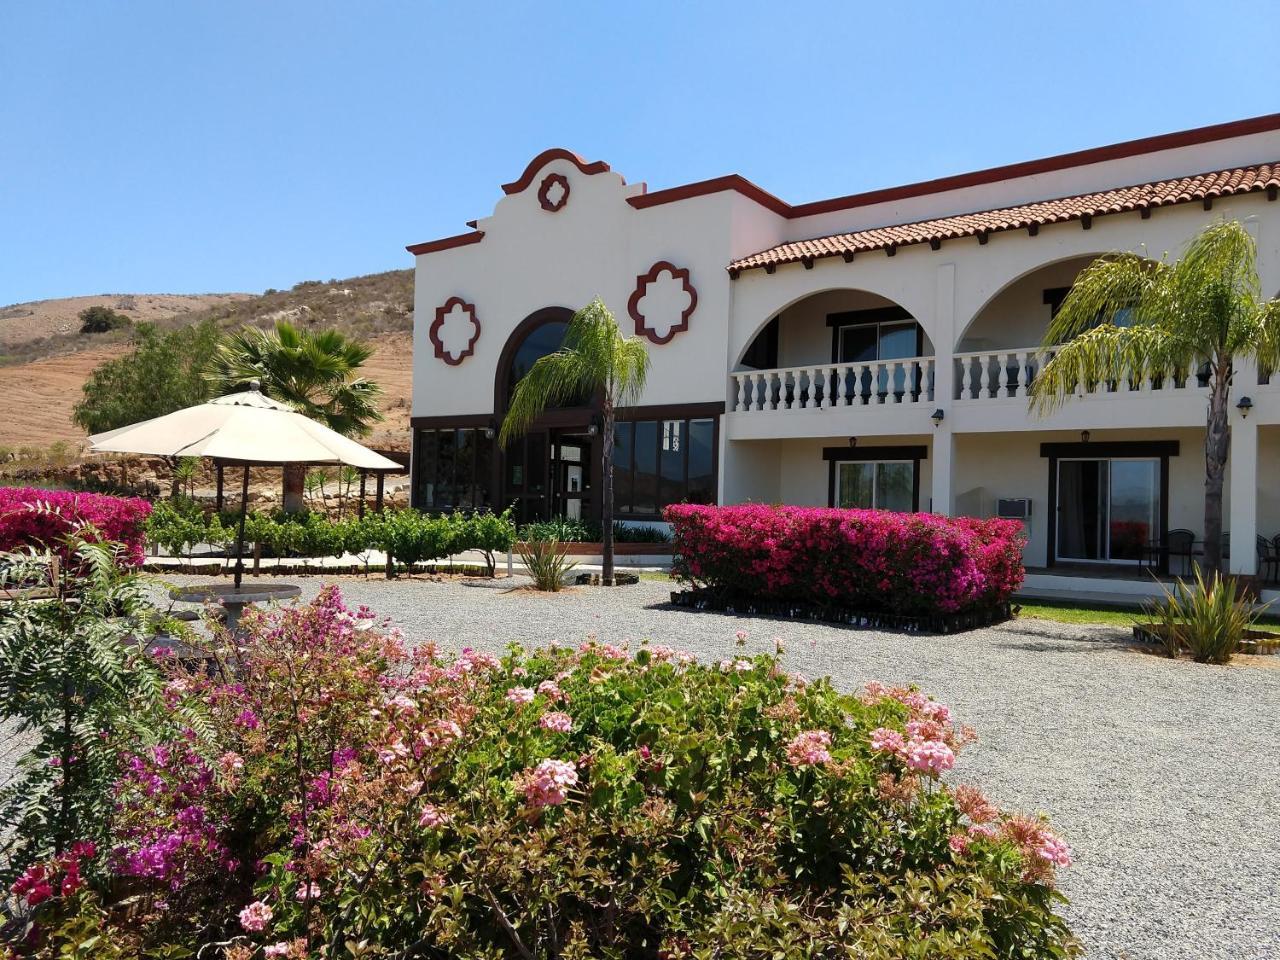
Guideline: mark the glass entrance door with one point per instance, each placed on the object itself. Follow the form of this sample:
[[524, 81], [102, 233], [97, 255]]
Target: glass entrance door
[[571, 463], [1108, 510]]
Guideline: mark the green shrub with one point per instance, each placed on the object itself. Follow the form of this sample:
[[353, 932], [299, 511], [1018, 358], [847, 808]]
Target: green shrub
[[548, 564], [1208, 620], [568, 530], [74, 678], [101, 319]]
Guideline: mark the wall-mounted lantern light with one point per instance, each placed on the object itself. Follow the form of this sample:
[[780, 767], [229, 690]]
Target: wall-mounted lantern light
[[491, 429], [1244, 406], [1084, 436], [937, 416], [853, 442]]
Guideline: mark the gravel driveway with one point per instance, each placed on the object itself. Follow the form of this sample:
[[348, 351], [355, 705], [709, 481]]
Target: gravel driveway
[[1161, 775]]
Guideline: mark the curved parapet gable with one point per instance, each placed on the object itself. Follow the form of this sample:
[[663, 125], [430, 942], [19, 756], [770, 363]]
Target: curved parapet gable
[[546, 157]]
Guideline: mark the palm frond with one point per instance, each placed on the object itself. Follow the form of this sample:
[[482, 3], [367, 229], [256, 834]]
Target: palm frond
[[595, 357], [1104, 355], [1105, 288]]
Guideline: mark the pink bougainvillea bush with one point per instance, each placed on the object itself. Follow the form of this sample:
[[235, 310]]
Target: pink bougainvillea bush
[[323, 791], [31, 517], [866, 560]]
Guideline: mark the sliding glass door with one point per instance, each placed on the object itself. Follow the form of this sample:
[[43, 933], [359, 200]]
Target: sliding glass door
[[1108, 510]]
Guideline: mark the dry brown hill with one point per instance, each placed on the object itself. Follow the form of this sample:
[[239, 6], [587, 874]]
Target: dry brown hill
[[44, 366]]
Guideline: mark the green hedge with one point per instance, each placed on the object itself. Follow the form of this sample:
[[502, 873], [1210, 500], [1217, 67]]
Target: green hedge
[[407, 535], [568, 530]]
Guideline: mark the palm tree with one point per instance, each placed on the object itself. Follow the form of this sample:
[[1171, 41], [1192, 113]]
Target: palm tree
[[594, 360], [315, 372], [1129, 318]]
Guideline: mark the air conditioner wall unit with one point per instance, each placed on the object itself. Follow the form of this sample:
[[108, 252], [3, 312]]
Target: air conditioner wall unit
[[1016, 508]]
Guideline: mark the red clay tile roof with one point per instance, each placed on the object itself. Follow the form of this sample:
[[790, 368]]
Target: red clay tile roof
[[1144, 196]]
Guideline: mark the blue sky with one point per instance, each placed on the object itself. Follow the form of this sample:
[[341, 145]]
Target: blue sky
[[237, 145]]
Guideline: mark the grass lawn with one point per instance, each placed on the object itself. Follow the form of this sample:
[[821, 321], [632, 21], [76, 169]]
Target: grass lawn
[[1124, 617]]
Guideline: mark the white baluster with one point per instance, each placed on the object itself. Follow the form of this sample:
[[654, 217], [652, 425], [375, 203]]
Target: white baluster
[[894, 369], [812, 390], [985, 381], [927, 381], [739, 379], [788, 380], [966, 378], [841, 377], [825, 374], [759, 404]]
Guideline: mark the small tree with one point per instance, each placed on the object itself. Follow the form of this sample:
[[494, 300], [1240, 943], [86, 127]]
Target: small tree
[[75, 678], [1204, 309], [101, 319], [595, 359], [164, 372]]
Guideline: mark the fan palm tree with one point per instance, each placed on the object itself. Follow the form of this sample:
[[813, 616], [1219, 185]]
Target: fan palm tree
[[594, 360], [1129, 318], [317, 373]]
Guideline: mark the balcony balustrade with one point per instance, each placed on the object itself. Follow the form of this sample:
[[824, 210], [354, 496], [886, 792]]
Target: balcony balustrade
[[822, 386]]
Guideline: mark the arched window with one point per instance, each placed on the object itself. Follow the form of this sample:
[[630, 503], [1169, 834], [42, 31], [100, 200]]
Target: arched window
[[540, 334], [540, 341]]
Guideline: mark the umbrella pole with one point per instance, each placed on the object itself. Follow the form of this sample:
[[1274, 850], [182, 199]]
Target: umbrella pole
[[244, 508]]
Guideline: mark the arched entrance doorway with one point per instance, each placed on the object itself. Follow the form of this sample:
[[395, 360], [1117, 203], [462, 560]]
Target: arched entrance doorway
[[551, 471]]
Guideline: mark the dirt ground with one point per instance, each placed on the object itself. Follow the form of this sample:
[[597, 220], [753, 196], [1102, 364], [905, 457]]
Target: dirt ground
[[37, 398]]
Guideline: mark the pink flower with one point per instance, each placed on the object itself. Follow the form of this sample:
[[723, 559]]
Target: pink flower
[[887, 740], [432, 817], [809, 749], [231, 762], [550, 689], [959, 844], [547, 784], [520, 696], [930, 756], [307, 891], [556, 722], [247, 719], [1053, 849], [255, 917]]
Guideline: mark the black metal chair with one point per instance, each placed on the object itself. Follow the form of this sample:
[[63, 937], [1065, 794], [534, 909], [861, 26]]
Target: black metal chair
[[1268, 560], [1180, 543]]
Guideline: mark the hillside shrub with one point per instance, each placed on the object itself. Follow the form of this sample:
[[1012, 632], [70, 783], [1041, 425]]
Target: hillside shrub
[[357, 798], [869, 560], [32, 517], [101, 319]]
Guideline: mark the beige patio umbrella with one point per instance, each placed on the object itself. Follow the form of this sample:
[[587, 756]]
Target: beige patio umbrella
[[246, 428]]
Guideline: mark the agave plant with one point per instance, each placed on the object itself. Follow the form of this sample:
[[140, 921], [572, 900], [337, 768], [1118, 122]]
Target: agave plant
[[548, 564], [1207, 619]]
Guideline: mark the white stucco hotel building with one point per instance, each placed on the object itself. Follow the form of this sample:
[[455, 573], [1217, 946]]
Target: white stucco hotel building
[[867, 350]]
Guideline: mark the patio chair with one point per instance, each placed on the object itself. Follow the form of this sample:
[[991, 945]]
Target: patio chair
[[1268, 560], [1181, 543]]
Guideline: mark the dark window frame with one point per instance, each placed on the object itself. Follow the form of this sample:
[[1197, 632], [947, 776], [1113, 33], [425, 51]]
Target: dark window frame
[[624, 479], [876, 315], [1160, 450], [912, 453]]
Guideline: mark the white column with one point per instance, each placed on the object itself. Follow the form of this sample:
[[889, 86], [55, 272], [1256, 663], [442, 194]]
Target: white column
[[941, 468], [1242, 515], [943, 335]]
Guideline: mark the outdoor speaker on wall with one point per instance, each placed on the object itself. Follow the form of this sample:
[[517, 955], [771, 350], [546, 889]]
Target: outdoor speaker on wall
[[1014, 509]]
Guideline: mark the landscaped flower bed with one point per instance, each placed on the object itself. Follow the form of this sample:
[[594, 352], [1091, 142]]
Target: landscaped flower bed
[[32, 517], [851, 565], [326, 792]]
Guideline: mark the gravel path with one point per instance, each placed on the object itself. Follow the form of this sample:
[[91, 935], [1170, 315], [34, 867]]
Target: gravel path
[[1161, 775]]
